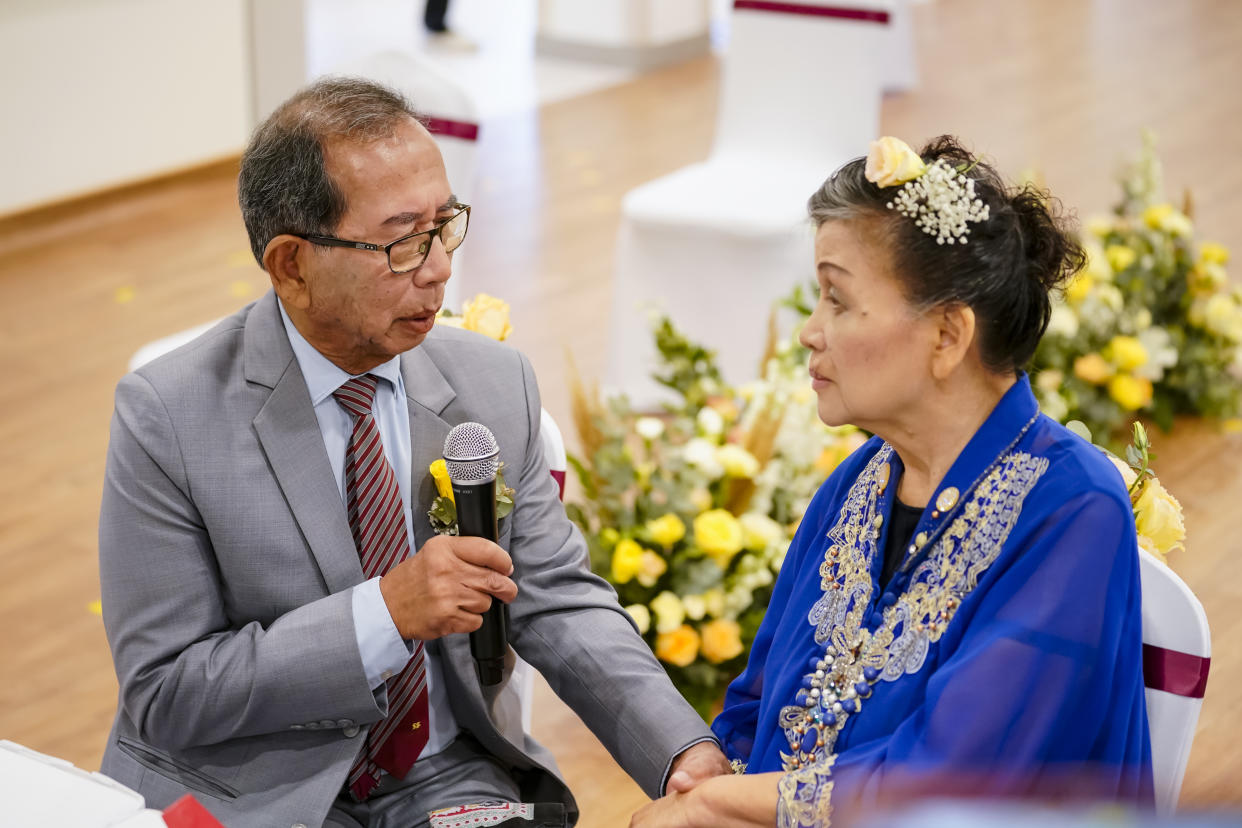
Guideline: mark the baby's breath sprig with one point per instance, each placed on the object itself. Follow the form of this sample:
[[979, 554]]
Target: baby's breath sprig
[[941, 201]]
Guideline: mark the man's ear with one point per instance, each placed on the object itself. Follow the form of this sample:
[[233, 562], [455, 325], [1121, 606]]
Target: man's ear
[[284, 259], [955, 336]]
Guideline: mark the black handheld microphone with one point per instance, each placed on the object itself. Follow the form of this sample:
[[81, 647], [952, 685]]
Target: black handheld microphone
[[472, 458]]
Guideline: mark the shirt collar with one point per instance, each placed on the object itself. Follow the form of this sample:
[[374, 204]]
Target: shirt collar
[[321, 374]]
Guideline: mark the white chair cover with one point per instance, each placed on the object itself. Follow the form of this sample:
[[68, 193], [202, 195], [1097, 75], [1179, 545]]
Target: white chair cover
[[1176, 654], [715, 243], [41, 791]]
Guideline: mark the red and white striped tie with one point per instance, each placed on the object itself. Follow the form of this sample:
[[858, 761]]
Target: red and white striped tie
[[378, 526]]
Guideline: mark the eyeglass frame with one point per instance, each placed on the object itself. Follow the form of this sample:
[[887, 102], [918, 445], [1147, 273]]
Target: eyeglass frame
[[432, 234]]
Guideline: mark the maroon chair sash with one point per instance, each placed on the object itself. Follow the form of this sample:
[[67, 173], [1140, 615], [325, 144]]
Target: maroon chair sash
[[1175, 672], [453, 129], [840, 12]]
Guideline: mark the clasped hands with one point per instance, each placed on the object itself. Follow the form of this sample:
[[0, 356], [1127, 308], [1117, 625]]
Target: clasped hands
[[683, 804], [447, 587]]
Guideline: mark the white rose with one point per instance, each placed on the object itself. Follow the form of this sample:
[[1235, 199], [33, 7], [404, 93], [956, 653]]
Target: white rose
[[710, 422], [701, 454], [649, 428], [1063, 322], [695, 607], [641, 616]]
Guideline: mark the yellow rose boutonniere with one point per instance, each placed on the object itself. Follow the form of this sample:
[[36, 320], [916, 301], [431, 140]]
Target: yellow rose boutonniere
[[891, 162], [443, 511], [439, 473]]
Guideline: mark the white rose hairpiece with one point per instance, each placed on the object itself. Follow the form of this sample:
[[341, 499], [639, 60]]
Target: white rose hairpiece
[[940, 198]]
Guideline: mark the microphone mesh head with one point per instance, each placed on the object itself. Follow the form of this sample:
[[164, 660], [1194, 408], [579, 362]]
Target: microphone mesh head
[[471, 454]]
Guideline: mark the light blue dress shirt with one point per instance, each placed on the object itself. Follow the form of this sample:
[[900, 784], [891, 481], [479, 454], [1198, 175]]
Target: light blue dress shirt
[[384, 652]]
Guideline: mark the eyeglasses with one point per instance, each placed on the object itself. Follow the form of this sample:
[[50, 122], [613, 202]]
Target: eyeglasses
[[408, 253]]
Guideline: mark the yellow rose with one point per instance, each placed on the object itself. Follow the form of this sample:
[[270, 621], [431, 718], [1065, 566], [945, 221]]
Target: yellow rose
[[1206, 278], [1167, 218], [609, 537], [1128, 475], [719, 535], [695, 606], [737, 461], [1079, 288], [1099, 226], [760, 531], [1158, 516], [722, 640], [1126, 352], [666, 530], [891, 162], [641, 616], [670, 613], [1092, 368], [489, 316], [444, 319], [1130, 392], [679, 646], [1120, 257], [1221, 315], [439, 473], [1213, 253], [1148, 544], [1049, 380], [627, 561], [650, 567]]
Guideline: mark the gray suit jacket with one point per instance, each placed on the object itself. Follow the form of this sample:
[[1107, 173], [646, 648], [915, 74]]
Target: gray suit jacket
[[226, 562]]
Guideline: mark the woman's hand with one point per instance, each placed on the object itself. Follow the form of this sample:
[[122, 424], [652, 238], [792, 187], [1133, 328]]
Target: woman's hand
[[719, 802], [674, 810]]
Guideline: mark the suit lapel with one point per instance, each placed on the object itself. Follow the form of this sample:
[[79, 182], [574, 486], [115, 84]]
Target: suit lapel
[[427, 395], [289, 433]]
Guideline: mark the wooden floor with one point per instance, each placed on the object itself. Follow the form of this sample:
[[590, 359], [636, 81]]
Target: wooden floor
[[1060, 85]]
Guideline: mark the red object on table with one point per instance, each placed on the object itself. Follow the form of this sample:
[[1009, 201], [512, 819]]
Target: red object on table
[[187, 812]]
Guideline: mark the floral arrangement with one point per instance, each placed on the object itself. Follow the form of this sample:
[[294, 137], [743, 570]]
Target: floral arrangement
[[1151, 325], [1157, 514], [689, 513], [489, 316]]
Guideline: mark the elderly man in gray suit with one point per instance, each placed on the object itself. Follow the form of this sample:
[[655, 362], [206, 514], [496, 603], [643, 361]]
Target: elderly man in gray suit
[[287, 630]]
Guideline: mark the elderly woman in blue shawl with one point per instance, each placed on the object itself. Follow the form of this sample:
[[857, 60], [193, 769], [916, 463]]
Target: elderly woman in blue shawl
[[960, 606]]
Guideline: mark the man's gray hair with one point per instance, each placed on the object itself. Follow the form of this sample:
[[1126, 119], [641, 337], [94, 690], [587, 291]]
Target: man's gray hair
[[283, 186]]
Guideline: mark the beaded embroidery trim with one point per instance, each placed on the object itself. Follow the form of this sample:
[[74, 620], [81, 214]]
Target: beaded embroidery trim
[[855, 658], [805, 797]]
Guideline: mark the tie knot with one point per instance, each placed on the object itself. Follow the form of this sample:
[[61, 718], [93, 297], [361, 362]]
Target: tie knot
[[357, 394]]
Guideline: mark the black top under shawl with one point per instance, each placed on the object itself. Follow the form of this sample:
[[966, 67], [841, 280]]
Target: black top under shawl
[[901, 525]]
